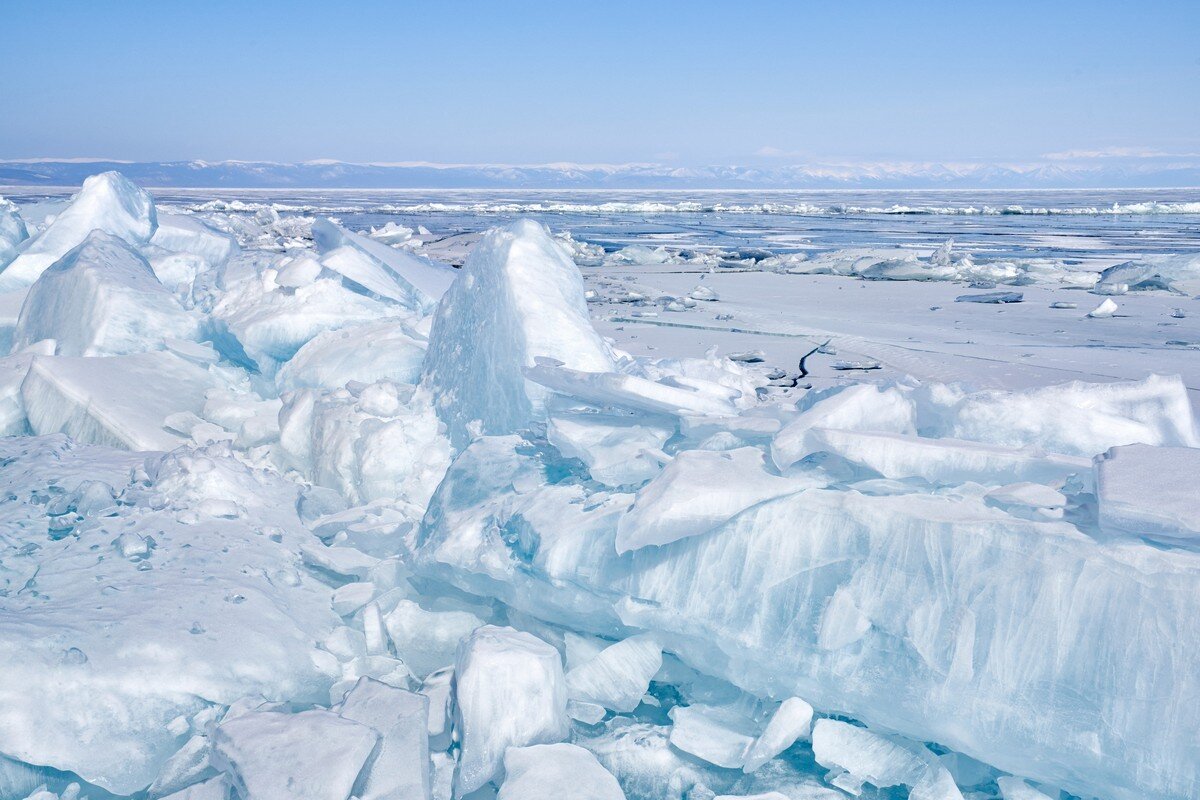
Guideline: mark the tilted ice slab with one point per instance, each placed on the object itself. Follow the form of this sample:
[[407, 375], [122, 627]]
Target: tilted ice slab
[[386, 272], [141, 594], [120, 401], [519, 298], [101, 299], [856, 756], [108, 202]]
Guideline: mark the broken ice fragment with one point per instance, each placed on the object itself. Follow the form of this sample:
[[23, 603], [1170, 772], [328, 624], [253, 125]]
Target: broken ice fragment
[[509, 692]]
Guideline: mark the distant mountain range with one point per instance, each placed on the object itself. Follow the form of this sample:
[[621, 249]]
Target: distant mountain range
[[1050, 174]]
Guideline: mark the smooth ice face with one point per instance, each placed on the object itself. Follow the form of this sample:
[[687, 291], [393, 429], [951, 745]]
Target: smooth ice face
[[696, 492], [555, 772], [856, 756], [397, 275], [617, 677], [1150, 492], [314, 754], [714, 734], [107, 202], [428, 640], [862, 407], [400, 767], [89, 398], [101, 299], [946, 461], [519, 298], [509, 692], [213, 605], [374, 351]]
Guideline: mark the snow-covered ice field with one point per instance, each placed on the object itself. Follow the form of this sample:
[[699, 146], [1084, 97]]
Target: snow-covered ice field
[[599, 495]]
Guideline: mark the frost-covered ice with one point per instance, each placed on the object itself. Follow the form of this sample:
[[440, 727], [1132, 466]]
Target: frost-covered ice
[[293, 509]]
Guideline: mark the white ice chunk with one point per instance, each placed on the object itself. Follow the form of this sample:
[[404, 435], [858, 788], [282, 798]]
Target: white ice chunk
[[861, 407], [315, 754], [791, 722], [370, 352], [1016, 789], [856, 756], [556, 772], [1150, 491], [946, 461], [614, 447], [509, 692], [107, 202], [618, 676], [1081, 419], [90, 398], [101, 299], [519, 298], [1106, 309], [428, 640], [634, 393], [182, 233], [399, 275], [715, 734], [400, 769], [695, 493]]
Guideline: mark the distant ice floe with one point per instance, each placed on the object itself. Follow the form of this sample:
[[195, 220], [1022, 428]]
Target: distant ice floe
[[292, 511]]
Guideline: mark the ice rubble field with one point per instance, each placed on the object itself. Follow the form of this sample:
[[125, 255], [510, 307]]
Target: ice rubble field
[[296, 512]]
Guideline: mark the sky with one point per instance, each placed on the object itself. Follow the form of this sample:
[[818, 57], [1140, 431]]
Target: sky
[[601, 82]]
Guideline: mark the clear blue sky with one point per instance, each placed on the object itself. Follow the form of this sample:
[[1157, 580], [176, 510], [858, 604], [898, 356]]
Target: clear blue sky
[[516, 82]]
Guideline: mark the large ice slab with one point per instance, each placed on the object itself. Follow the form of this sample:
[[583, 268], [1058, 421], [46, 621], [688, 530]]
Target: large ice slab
[[519, 298], [946, 461], [556, 772], [509, 692], [314, 754], [94, 399], [992, 625], [107, 202], [1150, 492], [398, 275], [101, 299], [143, 593]]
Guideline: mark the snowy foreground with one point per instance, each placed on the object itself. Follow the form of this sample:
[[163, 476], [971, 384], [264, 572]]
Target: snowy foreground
[[294, 512]]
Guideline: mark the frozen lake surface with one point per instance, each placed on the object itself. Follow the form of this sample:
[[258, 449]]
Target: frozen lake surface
[[627, 496]]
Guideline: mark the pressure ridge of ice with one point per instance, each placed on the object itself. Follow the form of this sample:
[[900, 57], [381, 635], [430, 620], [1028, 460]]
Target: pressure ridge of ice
[[292, 511]]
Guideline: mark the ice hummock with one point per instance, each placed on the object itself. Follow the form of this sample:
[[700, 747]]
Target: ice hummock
[[107, 202], [519, 298], [102, 299]]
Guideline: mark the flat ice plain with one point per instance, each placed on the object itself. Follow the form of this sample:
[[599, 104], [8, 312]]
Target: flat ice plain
[[599, 495]]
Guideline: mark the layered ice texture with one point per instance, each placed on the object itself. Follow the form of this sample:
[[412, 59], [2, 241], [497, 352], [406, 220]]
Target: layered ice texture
[[293, 511]]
